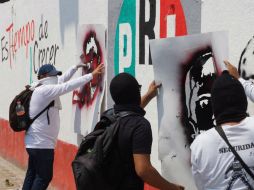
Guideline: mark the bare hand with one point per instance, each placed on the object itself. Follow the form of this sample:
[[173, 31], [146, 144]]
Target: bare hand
[[232, 70], [151, 93], [99, 70], [152, 90]]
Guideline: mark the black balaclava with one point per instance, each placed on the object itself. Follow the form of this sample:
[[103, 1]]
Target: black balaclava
[[124, 90], [229, 101]]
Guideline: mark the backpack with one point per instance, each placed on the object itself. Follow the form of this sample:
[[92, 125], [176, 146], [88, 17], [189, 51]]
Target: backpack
[[98, 164], [21, 123]]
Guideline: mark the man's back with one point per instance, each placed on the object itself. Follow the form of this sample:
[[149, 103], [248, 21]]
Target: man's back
[[214, 166], [135, 137], [44, 130]]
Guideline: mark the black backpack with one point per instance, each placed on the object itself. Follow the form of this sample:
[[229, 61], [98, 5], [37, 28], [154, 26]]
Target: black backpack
[[97, 164], [21, 123]]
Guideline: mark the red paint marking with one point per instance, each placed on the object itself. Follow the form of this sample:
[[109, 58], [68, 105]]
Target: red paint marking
[[64, 155], [82, 97], [12, 144], [22, 37], [12, 148], [92, 56], [9, 29], [172, 7]]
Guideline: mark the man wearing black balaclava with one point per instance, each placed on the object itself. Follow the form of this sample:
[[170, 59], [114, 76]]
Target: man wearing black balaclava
[[213, 164], [135, 135]]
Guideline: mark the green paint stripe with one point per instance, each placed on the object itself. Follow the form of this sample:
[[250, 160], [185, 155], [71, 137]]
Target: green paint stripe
[[127, 15]]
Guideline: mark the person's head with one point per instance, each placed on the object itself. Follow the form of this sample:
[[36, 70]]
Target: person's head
[[229, 101], [124, 89], [48, 70]]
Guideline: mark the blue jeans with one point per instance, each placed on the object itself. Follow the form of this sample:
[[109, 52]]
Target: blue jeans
[[40, 169]]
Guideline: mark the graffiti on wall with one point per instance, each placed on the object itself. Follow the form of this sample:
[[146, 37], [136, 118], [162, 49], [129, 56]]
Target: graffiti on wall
[[87, 100], [132, 40], [15, 39], [43, 54], [198, 74], [187, 67], [28, 41], [246, 66], [92, 57]]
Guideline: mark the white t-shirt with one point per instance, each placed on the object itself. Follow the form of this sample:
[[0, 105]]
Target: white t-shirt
[[41, 134], [248, 86], [215, 167]]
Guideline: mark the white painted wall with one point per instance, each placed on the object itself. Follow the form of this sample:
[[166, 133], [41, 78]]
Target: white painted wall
[[234, 16], [63, 18]]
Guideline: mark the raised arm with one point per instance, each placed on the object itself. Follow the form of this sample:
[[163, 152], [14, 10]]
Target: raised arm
[[70, 72], [53, 91], [247, 84], [150, 94], [67, 74]]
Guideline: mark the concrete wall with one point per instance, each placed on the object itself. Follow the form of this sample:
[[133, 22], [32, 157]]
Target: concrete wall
[[130, 30], [26, 29], [27, 26], [235, 17]]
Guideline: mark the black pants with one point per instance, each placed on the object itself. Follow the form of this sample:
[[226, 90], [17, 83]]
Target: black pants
[[40, 169]]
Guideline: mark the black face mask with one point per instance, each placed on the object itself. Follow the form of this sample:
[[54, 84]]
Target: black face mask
[[125, 89], [228, 99]]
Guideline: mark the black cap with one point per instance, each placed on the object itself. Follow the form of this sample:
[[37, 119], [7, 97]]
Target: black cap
[[124, 89], [229, 100]]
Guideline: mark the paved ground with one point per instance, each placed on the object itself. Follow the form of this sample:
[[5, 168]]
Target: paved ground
[[11, 177]]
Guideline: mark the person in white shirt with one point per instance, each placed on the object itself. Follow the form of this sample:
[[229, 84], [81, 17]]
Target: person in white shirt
[[248, 85], [214, 166], [41, 137]]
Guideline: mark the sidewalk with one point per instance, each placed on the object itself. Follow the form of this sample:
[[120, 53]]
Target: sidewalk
[[11, 176]]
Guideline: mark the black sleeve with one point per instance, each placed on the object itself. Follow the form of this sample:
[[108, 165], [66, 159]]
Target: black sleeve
[[142, 139]]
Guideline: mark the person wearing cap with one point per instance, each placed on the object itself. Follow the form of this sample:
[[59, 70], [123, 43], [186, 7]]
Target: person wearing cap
[[214, 166], [135, 136], [41, 137]]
